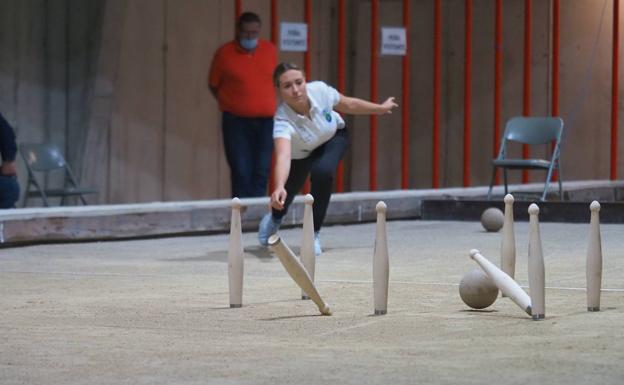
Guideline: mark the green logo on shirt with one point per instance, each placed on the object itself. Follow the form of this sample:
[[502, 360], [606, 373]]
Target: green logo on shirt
[[327, 115]]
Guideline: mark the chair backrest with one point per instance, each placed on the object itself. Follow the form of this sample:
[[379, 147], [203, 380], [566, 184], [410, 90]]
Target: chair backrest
[[42, 156], [533, 130]]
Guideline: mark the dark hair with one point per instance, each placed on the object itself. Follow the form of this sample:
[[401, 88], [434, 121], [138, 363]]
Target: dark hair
[[248, 17], [283, 67]]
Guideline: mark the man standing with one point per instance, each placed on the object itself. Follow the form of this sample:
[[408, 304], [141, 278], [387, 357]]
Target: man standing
[[241, 79], [9, 189]]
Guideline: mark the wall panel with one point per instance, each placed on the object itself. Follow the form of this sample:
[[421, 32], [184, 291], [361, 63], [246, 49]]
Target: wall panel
[[586, 88], [194, 156], [137, 127], [120, 85]]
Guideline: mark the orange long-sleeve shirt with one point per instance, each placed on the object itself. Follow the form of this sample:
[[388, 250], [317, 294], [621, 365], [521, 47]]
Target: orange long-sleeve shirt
[[243, 79]]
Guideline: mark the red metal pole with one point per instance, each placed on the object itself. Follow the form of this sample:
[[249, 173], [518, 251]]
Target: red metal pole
[[437, 59], [274, 21], [405, 101], [526, 109], [238, 9], [373, 92], [614, 88], [341, 79], [274, 41], [307, 66], [555, 68], [467, 89], [307, 16], [498, 72], [555, 59]]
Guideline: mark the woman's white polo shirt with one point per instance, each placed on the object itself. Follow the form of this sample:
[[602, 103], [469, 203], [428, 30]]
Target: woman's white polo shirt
[[306, 134]]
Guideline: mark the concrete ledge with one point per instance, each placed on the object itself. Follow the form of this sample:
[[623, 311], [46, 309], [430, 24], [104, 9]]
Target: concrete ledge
[[553, 211], [85, 223]]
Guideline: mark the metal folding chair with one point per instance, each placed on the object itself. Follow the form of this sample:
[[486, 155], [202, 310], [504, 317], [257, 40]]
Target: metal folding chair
[[531, 131], [42, 159]]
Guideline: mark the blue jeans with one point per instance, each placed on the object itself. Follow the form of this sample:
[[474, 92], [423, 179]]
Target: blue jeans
[[248, 148], [9, 191]]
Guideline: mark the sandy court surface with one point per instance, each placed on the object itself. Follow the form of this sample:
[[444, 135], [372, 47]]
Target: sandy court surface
[[156, 312]]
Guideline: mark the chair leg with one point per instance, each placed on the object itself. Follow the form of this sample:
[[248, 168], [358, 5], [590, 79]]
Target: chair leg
[[45, 199], [83, 200], [489, 195], [543, 198], [25, 202], [505, 179], [559, 180], [548, 178], [41, 192]]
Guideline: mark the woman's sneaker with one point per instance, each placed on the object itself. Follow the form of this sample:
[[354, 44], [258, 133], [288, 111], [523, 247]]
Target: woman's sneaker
[[317, 244], [268, 226]]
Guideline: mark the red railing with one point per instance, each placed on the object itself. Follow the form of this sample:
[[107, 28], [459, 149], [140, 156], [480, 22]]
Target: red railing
[[467, 88], [373, 93], [526, 89]]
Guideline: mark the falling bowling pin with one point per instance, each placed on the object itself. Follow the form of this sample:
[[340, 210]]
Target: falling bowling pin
[[297, 272], [235, 256], [380, 262], [307, 243], [537, 282], [508, 245], [504, 282], [594, 259]]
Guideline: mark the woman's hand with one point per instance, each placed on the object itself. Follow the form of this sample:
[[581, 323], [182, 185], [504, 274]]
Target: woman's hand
[[278, 198], [8, 169], [389, 105]]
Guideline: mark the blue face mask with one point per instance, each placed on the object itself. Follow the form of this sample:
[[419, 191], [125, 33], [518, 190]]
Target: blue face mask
[[249, 44]]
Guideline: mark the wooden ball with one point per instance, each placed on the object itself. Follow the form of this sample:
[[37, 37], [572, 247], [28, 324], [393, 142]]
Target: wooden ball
[[492, 219], [477, 290]]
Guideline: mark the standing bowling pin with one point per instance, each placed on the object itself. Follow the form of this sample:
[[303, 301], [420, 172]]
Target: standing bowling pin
[[380, 262], [235, 256], [537, 282], [297, 272], [508, 245], [594, 259], [307, 243], [504, 282]]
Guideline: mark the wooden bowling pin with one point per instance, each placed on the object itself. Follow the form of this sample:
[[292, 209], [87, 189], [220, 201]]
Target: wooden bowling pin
[[537, 283], [380, 262], [504, 282], [307, 243], [508, 245], [235, 256], [297, 272], [594, 259]]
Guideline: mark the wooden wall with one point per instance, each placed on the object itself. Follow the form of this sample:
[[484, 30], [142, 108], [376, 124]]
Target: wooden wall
[[121, 86]]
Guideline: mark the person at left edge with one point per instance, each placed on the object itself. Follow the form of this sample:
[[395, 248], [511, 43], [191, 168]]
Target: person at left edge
[[9, 188], [240, 78]]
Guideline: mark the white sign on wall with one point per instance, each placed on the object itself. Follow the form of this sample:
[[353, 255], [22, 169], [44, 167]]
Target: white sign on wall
[[294, 37], [393, 41]]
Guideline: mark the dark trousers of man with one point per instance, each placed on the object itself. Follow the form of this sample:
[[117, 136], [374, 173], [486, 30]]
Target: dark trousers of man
[[321, 166], [248, 148], [9, 191]]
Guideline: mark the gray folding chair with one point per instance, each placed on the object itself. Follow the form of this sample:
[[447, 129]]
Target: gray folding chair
[[41, 159], [531, 131]]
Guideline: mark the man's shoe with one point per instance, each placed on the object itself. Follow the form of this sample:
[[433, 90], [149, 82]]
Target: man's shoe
[[317, 244], [268, 226]]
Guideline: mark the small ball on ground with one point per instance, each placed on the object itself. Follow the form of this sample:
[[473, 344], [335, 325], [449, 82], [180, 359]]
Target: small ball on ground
[[492, 219], [477, 290]]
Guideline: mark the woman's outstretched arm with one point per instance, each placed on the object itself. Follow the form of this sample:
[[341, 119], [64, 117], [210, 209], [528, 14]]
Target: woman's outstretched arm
[[356, 106]]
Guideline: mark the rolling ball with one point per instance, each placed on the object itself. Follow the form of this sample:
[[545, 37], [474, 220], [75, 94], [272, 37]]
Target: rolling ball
[[492, 219], [477, 290]]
